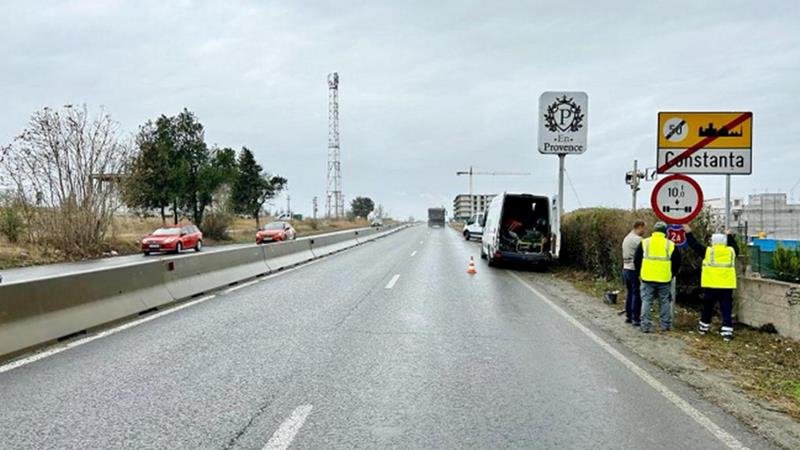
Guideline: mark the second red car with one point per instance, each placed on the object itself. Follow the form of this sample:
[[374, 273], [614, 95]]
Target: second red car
[[275, 231]]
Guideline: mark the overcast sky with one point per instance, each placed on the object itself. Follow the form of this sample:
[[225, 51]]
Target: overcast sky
[[427, 88]]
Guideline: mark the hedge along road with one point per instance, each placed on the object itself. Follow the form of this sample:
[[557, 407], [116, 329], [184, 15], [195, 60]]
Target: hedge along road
[[389, 344]]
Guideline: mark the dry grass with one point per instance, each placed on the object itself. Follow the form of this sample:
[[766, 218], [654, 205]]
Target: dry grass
[[126, 231], [764, 365]]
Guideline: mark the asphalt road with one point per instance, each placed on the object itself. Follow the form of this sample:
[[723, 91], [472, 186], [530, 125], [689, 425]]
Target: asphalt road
[[390, 344]]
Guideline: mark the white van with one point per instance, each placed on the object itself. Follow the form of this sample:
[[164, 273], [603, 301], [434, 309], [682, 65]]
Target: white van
[[473, 228], [521, 227]]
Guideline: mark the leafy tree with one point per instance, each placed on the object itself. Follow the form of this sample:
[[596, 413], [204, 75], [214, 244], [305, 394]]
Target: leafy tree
[[362, 206], [151, 183], [252, 187], [175, 168]]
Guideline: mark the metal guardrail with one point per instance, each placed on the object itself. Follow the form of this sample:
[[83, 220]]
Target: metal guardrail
[[39, 311]]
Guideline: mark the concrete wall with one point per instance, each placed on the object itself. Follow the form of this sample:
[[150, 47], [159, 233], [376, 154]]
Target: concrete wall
[[761, 301]]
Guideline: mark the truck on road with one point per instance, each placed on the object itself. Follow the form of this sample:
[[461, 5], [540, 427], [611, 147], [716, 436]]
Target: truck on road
[[521, 228], [436, 217]]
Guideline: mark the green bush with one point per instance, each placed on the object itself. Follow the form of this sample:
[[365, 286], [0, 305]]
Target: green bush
[[216, 224], [12, 224], [592, 242], [592, 239], [786, 263]]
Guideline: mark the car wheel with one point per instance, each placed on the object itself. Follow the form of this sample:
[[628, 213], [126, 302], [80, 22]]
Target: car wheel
[[146, 253], [466, 235], [199, 246], [178, 247]]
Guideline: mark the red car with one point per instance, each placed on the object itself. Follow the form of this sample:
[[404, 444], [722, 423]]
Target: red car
[[173, 239], [275, 231]]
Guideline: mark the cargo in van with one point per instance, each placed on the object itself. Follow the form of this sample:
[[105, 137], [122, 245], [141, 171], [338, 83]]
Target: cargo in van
[[519, 227]]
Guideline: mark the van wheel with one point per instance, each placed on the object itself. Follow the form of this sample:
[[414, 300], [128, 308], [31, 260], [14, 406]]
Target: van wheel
[[466, 235], [483, 253]]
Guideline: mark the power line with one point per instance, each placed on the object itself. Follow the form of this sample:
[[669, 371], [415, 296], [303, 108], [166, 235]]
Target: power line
[[573, 189]]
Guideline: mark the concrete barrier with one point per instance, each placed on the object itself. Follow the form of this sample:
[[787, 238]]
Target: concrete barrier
[[761, 301], [324, 245], [368, 234], [34, 312], [282, 255], [204, 272], [38, 311]]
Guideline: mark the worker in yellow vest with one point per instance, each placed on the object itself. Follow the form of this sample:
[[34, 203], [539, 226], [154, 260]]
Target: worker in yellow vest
[[657, 262], [718, 280]]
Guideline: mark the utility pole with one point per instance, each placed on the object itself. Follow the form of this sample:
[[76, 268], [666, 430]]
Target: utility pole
[[471, 173], [632, 179], [288, 205], [314, 203]]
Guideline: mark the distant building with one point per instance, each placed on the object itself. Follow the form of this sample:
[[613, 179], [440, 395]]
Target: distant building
[[716, 207], [772, 214], [462, 206]]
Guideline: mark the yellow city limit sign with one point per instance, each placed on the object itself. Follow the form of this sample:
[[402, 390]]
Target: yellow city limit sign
[[705, 142]]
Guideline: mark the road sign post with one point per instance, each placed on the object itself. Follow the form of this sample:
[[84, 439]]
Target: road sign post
[[706, 143], [677, 199], [563, 126]]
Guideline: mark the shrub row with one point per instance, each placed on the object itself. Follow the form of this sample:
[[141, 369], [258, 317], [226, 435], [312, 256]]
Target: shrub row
[[592, 242]]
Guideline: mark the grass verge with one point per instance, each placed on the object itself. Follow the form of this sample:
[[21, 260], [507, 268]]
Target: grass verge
[[765, 366]]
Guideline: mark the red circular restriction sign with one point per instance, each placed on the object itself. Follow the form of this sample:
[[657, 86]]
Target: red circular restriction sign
[[677, 199]]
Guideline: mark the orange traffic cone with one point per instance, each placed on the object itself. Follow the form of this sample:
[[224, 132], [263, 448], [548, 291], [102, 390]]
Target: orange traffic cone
[[471, 267]]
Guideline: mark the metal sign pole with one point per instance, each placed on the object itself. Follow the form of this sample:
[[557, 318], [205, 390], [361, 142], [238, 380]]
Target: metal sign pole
[[561, 157], [635, 182], [728, 202]]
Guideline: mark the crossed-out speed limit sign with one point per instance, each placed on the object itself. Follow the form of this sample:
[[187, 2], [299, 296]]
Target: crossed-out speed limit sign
[[677, 199]]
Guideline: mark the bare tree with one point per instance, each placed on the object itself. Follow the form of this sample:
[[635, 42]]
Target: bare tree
[[65, 166]]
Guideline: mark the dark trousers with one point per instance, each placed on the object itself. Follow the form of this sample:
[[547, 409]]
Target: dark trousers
[[725, 299], [633, 297]]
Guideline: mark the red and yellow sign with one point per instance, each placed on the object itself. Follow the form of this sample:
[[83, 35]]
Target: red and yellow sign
[[705, 142]]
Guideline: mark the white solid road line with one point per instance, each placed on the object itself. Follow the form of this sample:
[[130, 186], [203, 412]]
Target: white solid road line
[[725, 437], [392, 282], [240, 286], [284, 435], [413, 253], [72, 344]]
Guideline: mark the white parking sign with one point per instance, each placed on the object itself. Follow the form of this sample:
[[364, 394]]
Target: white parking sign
[[563, 121]]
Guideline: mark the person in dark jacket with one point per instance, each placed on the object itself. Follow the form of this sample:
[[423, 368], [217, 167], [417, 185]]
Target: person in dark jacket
[[718, 279], [657, 261]]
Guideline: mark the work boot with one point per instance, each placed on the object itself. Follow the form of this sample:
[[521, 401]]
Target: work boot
[[726, 333], [703, 327]]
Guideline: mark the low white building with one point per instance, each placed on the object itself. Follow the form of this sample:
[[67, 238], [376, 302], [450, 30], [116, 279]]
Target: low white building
[[462, 207]]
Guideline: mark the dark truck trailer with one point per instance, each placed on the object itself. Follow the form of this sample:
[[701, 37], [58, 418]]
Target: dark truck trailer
[[436, 217]]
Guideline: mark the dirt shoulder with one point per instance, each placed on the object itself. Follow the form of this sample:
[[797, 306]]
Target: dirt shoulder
[[754, 377]]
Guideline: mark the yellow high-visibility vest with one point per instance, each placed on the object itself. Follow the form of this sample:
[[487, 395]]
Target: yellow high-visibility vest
[[719, 268], [657, 258]]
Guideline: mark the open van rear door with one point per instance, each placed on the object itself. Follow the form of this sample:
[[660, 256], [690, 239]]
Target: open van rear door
[[555, 226]]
